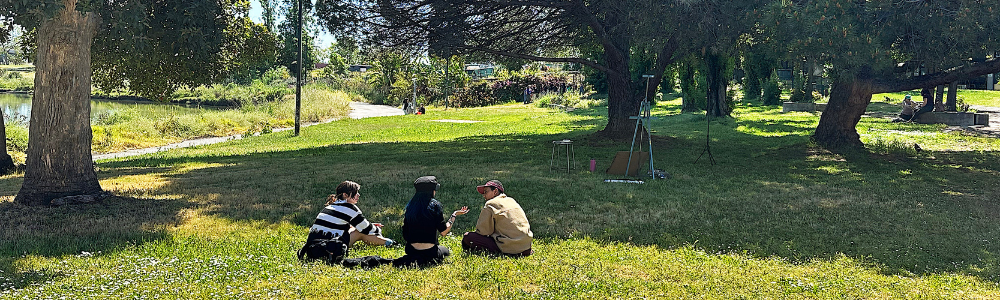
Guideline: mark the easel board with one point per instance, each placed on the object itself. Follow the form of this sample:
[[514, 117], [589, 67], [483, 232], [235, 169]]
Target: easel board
[[619, 164]]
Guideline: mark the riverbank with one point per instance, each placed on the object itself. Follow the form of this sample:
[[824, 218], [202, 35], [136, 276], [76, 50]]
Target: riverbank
[[119, 127], [359, 110]]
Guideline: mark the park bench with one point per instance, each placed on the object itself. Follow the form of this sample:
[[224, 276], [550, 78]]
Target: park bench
[[952, 118]]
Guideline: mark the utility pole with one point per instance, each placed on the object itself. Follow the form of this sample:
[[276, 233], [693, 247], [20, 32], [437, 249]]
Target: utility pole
[[413, 107], [298, 77]]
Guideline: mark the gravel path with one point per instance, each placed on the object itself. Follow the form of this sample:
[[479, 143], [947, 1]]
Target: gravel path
[[358, 111]]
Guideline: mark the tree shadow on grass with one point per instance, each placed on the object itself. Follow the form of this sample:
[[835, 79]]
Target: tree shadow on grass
[[114, 223], [71, 229], [907, 215]]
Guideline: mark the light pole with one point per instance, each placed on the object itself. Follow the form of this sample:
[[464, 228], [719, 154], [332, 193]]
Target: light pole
[[413, 105], [298, 77]]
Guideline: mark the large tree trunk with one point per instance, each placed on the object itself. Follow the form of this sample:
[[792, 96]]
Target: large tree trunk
[[718, 83], [849, 97], [952, 103], [6, 163], [622, 102], [59, 162]]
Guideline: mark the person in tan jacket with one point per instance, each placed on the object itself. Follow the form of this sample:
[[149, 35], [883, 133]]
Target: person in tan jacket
[[502, 227]]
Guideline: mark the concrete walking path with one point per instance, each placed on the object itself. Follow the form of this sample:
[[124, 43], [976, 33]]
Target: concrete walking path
[[358, 111]]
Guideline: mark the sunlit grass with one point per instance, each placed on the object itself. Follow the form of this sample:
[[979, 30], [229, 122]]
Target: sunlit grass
[[776, 218], [971, 97]]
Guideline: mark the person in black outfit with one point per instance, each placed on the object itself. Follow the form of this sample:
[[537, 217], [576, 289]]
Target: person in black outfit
[[422, 221], [928, 103]]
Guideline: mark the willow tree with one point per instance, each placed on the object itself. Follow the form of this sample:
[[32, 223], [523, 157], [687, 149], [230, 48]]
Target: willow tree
[[532, 30], [71, 35], [868, 45]]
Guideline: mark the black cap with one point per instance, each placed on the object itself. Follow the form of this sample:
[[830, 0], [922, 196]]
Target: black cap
[[426, 184]]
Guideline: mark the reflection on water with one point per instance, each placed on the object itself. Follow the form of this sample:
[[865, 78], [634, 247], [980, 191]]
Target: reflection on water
[[19, 106]]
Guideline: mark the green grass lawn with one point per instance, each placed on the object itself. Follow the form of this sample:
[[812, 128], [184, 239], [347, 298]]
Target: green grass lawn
[[776, 218], [971, 97]]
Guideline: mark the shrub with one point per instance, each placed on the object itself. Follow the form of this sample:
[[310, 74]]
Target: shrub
[[17, 137], [14, 81], [232, 94], [772, 92], [476, 94], [114, 117], [510, 87]]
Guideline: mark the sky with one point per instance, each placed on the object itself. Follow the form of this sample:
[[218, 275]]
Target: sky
[[257, 15]]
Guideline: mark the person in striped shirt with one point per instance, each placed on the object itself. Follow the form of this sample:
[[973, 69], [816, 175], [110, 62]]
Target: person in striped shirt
[[342, 219]]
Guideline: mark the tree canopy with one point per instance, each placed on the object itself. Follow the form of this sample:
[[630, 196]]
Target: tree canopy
[[158, 45], [154, 47], [870, 45], [532, 30]]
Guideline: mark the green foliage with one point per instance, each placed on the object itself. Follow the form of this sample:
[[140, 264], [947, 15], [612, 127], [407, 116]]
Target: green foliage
[[288, 54], [510, 87], [141, 126], [278, 75], [250, 50], [479, 93], [694, 84], [336, 67], [875, 36], [17, 135], [772, 91], [568, 99], [177, 44], [232, 94], [347, 48], [758, 68], [14, 81]]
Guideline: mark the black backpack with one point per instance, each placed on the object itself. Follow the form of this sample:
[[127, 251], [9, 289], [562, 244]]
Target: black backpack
[[331, 251]]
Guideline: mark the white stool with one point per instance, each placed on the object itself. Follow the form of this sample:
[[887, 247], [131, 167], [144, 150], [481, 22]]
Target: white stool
[[570, 154]]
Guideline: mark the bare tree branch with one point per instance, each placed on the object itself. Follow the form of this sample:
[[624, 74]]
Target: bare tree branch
[[947, 76], [578, 60]]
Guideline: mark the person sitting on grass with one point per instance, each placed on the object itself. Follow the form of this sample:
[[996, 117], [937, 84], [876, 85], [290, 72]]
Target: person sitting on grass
[[907, 112], [502, 227], [422, 221], [342, 219]]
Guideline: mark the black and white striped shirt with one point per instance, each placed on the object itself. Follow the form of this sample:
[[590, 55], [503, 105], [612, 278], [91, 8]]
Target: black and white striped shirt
[[336, 219]]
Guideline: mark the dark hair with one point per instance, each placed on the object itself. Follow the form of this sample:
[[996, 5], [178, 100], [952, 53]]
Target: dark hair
[[345, 190]]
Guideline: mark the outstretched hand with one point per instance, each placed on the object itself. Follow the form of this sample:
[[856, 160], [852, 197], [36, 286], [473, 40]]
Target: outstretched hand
[[465, 209]]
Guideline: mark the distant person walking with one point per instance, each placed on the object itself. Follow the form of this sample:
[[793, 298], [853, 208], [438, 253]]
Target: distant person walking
[[423, 220], [502, 227]]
